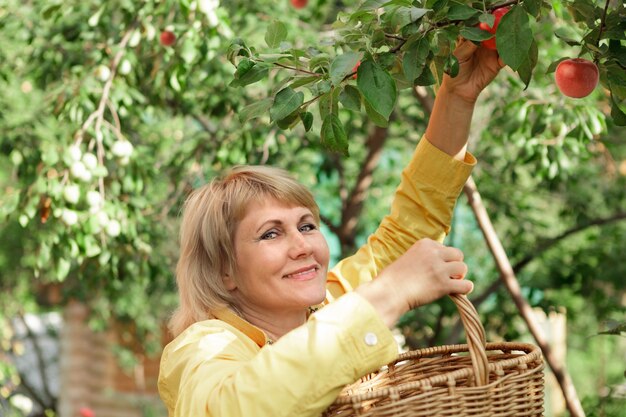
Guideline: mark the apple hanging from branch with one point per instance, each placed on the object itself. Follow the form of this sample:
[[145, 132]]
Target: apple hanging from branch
[[497, 14], [576, 77]]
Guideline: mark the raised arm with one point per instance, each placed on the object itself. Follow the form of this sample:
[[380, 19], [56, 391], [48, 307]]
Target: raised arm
[[430, 185], [455, 100]]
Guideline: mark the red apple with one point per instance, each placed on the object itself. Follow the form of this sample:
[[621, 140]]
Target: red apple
[[576, 77], [497, 14], [86, 412], [356, 67], [299, 4], [167, 38]]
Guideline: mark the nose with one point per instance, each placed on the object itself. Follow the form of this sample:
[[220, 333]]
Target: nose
[[299, 246]]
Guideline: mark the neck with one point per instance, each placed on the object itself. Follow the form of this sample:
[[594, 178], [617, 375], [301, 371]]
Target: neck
[[274, 324]]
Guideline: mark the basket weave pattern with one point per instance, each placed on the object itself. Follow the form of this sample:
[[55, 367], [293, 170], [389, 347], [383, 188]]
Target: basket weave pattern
[[474, 379]]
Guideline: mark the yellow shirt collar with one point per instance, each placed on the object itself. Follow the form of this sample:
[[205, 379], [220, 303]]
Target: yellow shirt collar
[[228, 316]]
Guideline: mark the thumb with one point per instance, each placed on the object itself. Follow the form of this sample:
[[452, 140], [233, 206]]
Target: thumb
[[464, 50]]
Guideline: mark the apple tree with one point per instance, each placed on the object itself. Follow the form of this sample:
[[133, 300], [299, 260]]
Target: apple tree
[[113, 111]]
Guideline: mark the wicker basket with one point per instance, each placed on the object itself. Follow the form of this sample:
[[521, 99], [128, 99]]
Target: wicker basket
[[494, 379]]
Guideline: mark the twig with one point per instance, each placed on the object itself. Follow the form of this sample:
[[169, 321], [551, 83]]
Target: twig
[[297, 69], [306, 103], [602, 20], [98, 114], [501, 5]]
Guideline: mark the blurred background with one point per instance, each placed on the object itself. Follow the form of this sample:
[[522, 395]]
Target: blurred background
[[111, 112]]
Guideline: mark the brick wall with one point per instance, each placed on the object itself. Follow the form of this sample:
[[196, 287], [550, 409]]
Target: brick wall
[[91, 377]]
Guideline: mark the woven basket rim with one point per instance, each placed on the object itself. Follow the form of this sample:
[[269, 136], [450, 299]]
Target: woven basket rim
[[531, 354]]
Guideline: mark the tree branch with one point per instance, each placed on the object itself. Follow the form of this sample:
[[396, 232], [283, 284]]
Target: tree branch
[[544, 246], [354, 203], [507, 275], [602, 20], [41, 364]]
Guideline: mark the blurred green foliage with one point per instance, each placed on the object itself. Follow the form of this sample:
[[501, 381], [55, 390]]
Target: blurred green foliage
[[91, 78]]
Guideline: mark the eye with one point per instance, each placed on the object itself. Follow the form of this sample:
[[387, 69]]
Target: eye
[[269, 235], [308, 227]]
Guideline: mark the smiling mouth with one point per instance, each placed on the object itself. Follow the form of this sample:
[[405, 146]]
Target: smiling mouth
[[303, 274]]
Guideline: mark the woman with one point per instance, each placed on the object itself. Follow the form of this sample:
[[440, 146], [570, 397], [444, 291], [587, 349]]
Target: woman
[[253, 263]]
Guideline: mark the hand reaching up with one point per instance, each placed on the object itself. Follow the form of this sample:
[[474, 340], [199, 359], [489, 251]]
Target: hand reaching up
[[478, 66]]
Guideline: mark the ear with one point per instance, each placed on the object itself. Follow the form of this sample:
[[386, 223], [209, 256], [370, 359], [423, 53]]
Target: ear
[[229, 282]]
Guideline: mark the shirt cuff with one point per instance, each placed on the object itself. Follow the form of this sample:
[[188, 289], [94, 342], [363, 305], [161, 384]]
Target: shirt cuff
[[368, 342], [438, 169]]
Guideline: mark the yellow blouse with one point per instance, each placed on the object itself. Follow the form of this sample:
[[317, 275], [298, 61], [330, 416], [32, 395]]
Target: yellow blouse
[[224, 367]]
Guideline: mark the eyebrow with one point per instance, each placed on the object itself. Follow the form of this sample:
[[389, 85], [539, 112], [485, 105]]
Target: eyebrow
[[278, 222]]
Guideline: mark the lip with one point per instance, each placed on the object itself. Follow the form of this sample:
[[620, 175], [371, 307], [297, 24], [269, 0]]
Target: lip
[[311, 269]]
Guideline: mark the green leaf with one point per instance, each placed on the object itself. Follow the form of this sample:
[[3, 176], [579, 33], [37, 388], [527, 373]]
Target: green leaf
[[244, 66], [377, 87], [414, 59], [289, 121], [307, 120], [62, 268], [514, 37], [375, 117], [452, 66], [174, 82], [553, 65], [276, 33], [475, 34], [487, 18], [322, 87], [350, 98], [401, 15], [255, 109], [189, 51], [533, 7], [619, 117], [460, 11], [426, 77], [324, 105], [525, 70], [286, 102], [300, 81], [333, 135], [91, 246], [341, 66], [237, 48], [559, 33], [50, 10], [248, 72]]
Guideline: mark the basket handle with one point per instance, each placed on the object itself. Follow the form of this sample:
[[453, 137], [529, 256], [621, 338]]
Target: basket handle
[[475, 334]]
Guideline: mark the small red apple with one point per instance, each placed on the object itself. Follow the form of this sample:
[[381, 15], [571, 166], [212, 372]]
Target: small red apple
[[356, 67], [497, 13], [299, 4], [576, 77], [167, 38], [86, 412]]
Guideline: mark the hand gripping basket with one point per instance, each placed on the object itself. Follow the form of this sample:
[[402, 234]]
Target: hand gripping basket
[[494, 379]]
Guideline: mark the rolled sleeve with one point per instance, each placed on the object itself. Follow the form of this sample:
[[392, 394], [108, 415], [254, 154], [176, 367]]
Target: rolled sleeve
[[422, 207]]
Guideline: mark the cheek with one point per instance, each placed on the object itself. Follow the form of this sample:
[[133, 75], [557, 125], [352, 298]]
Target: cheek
[[323, 252]]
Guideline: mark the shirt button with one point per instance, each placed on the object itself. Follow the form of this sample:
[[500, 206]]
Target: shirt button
[[371, 339]]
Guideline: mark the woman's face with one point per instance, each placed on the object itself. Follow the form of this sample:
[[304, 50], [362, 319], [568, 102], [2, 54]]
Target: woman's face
[[282, 259]]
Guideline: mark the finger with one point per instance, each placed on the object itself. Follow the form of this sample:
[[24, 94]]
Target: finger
[[457, 270], [464, 50], [461, 287], [450, 254]]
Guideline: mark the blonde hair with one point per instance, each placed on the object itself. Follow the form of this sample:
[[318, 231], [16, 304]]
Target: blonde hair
[[210, 217]]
